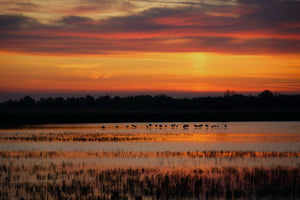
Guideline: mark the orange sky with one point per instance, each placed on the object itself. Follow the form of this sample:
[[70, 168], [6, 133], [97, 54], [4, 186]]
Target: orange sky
[[192, 46]]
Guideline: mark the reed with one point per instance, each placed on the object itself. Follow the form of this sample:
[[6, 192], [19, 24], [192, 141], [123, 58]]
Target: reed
[[69, 181], [132, 154]]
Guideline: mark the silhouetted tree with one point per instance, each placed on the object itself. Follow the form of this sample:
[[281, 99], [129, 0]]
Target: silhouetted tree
[[231, 100], [266, 95], [89, 101], [27, 102], [229, 93]]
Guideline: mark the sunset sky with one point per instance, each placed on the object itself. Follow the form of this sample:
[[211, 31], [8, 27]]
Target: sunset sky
[[146, 46]]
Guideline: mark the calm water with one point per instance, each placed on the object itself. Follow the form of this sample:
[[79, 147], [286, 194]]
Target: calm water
[[232, 160], [237, 136], [232, 127]]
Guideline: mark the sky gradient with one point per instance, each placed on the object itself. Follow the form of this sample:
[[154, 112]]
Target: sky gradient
[[149, 45]]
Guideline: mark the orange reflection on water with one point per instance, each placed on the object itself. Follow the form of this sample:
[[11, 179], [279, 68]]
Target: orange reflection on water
[[153, 137]]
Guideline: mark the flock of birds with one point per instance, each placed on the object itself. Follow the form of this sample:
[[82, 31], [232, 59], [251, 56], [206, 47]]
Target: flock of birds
[[184, 126]]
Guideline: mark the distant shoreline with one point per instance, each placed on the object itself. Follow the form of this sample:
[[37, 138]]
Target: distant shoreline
[[15, 118], [145, 108]]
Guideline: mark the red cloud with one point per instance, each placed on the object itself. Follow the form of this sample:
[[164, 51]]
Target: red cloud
[[245, 28]]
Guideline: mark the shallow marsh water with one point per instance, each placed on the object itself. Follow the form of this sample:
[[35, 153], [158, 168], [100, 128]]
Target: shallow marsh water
[[232, 160]]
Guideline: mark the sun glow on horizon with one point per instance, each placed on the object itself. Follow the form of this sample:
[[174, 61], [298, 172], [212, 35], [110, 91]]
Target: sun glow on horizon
[[134, 71]]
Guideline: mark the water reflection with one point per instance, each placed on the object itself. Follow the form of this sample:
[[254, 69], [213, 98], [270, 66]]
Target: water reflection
[[243, 160]]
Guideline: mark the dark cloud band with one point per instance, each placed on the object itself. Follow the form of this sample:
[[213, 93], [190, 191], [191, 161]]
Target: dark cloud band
[[247, 27]]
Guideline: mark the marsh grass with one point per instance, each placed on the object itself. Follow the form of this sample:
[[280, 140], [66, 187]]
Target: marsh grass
[[131, 154], [69, 181]]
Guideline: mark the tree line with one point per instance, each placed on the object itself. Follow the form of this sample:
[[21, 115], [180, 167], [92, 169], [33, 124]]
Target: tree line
[[230, 100]]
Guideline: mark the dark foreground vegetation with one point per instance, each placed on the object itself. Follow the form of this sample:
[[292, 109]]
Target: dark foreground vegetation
[[145, 108], [162, 154], [67, 181]]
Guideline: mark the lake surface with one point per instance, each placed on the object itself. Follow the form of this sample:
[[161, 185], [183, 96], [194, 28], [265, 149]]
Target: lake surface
[[232, 127], [204, 160]]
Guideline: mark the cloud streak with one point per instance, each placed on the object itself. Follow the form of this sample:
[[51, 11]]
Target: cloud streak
[[246, 27]]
